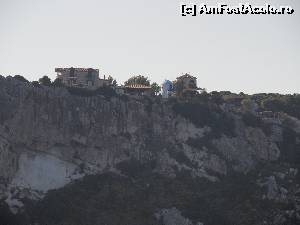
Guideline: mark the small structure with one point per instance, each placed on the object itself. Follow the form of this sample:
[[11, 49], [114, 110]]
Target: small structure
[[81, 77], [186, 85], [138, 89], [167, 88]]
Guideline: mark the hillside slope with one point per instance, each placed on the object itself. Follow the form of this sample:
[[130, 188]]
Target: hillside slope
[[106, 159]]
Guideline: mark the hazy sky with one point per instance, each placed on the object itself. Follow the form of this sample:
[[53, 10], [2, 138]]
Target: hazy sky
[[255, 53]]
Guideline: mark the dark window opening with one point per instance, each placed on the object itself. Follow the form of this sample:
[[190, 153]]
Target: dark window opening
[[72, 72]]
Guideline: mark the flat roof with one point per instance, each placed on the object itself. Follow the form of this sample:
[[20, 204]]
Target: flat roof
[[76, 69]]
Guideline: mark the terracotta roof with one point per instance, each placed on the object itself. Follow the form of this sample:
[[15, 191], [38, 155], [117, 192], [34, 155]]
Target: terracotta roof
[[186, 76], [137, 86]]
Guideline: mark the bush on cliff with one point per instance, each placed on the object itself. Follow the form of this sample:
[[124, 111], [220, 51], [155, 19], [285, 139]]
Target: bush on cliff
[[45, 80], [206, 115], [105, 91], [21, 78], [289, 104]]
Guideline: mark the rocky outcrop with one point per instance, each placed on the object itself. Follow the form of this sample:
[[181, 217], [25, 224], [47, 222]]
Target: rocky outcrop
[[247, 149], [49, 138]]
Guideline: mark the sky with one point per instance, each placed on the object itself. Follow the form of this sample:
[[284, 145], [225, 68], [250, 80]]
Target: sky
[[238, 53]]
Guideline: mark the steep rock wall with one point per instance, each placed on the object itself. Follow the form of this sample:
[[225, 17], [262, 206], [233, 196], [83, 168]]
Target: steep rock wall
[[49, 137]]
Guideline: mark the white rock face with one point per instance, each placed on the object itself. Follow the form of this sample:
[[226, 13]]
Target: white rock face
[[36, 174], [186, 130], [249, 147], [41, 172]]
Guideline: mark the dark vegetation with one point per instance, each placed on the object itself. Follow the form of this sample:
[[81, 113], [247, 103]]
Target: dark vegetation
[[202, 142], [134, 168], [289, 104], [7, 217], [115, 200], [142, 80], [256, 122], [155, 87], [206, 114], [290, 147], [180, 157], [252, 120], [21, 78], [35, 84], [45, 80], [106, 91], [204, 109]]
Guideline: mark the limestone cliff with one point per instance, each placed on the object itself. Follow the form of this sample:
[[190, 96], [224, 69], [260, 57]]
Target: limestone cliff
[[52, 140]]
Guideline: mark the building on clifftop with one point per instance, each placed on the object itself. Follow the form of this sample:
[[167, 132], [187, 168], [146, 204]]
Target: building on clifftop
[[138, 89], [185, 85], [81, 77], [167, 89]]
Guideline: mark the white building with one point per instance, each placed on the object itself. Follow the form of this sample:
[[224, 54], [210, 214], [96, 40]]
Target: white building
[[167, 88]]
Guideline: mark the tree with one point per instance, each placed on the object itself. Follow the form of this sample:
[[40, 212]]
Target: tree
[[112, 81], [45, 80], [178, 87], [155, 88], [21, 78], [138, 80], [57, 83]]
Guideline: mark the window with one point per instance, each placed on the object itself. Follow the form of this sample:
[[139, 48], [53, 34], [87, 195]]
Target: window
[[90, 73], [192, 84], [72, 72]]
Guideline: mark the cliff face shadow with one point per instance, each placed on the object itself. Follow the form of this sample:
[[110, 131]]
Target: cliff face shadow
[[7, 217]]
